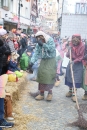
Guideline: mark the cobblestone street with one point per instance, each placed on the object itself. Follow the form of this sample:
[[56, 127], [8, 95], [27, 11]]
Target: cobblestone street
[[54, 115]]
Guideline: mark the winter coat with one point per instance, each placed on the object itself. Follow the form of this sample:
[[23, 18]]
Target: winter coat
[[47, 54], [47, 51], [11, 45], [4, 52], [12, 66], [7, 54], [24, 61], [23, 43]]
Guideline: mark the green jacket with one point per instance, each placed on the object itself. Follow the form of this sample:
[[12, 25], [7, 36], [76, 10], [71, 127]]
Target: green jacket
[[47, 51], [24, 61]]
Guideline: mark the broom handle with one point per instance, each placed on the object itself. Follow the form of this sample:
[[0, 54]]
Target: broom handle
[[73, 81]]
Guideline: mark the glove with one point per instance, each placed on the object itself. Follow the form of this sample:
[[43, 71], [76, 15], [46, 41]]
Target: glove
[[85, 57], [72, 62], [40, 43], [30, 68], [30, 65], [69, 47]]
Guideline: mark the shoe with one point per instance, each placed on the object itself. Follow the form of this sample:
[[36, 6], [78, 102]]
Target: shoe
[[69, 94], [57, 83], [5, 124], [49, 97], [34, 94], [10, 118], [84, 97], [39, 97], [74, 98]]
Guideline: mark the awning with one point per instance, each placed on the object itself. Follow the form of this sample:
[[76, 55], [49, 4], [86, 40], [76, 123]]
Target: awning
[[10, 22]]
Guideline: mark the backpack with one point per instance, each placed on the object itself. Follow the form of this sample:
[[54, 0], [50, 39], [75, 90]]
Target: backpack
[[24, 61]]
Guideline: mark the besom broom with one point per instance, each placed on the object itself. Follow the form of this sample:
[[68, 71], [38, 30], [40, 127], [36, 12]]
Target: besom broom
[[81, 122]]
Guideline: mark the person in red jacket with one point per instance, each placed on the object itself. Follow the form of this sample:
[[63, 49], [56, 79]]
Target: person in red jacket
[[77, 52]]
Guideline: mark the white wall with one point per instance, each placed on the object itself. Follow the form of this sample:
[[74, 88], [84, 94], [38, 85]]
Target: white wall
[[74, 24], [60, 8]]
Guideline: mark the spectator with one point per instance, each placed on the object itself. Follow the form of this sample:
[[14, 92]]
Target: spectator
[[3, 52]]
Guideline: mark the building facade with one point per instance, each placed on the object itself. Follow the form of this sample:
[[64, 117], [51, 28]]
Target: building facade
[[48, 15], [73, 18], [9, 13], [33, 15]]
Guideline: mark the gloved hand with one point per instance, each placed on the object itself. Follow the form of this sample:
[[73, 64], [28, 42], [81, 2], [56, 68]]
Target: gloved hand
[[30, 65], [69, 47], [72, 62], [40, 43]]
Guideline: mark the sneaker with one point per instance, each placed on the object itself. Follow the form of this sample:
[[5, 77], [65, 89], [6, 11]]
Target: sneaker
[[39, 97], [10, 118], [5, 124], [69, 94], [84, 97], [49, 97]]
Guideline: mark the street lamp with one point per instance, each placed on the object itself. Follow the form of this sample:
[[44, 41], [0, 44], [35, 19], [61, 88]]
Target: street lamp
[[19, 6]]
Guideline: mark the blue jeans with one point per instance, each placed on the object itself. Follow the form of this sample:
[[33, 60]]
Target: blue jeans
[[0, 71], [33, 76], [1, 108], [1, 103]]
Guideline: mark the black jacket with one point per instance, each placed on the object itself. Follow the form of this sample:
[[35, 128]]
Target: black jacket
[[4, 53]]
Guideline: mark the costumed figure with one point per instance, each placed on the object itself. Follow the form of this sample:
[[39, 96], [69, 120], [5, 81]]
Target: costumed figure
[[45, 50], [77, 53], [84, 86]]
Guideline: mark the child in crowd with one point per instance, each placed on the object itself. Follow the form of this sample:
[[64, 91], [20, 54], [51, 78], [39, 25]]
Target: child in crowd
[[25, 59], [12, 65]]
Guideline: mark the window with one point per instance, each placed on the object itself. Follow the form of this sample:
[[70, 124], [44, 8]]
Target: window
[[81, 8], [1, 3], [11, 5], [26, 12], [77, 8], [5, 3]]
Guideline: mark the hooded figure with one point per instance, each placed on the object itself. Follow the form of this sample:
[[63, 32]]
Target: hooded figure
[[77, 54], [45, 50]]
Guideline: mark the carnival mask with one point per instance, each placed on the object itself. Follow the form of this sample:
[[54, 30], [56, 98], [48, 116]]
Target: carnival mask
[[76, 40]]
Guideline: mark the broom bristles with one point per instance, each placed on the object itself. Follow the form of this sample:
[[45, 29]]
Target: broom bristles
[[81, 122]]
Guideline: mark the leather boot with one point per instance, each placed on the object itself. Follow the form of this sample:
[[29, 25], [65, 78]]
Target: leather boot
[[84, 97], [34, 94], [73, 98], [57, 83], [49, 97], [69, 94], [39, 97]]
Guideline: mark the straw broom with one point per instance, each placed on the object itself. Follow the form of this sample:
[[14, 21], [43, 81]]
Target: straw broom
[[81, 122]]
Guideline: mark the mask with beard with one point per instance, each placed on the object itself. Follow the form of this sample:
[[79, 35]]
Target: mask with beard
[[40, 40], [76, 40]]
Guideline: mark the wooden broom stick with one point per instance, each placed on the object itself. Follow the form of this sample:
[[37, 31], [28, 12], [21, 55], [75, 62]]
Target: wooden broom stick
[[72, 74]]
